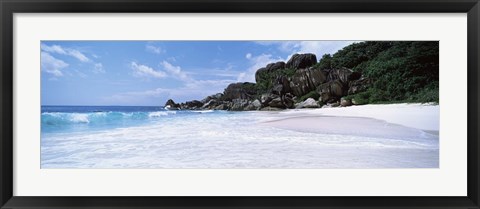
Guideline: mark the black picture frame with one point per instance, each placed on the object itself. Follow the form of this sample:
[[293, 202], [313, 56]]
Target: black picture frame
[[9, 7]]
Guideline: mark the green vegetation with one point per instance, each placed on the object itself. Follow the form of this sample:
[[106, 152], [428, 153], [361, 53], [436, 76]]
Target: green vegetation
[[402, 71], [324, 63], [360, 98], [313, 94]]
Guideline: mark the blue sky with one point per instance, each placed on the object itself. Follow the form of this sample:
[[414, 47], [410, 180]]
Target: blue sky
[[150, 72]]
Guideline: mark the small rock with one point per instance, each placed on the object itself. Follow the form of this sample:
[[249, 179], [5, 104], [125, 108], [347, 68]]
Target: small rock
[[255, 105], [308, 103], [335, 104], [345, 102]]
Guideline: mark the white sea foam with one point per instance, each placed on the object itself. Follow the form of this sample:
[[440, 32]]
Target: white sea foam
[[53, 114], [100, 114], [79, 118], [238, 140], [160, 113], [126, 114]]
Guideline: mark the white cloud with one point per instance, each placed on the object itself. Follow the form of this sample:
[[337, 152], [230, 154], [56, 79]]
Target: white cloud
[[256, 62], [175, 71], [248, 56], [197, 89], [78, 55], [318, 48], [200, 87], [154, 49], [208, 87], [98, 68], [149, 97], [140, 70], [225, 71], [191, 88], [53, 49], [65, 51], [288, 46], [52, 65]]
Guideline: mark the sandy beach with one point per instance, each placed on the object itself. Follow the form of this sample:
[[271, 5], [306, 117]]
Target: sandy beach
[[363, 118]]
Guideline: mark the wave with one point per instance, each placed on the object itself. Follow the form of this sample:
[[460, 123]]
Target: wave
[[64, 118], [79, 118]]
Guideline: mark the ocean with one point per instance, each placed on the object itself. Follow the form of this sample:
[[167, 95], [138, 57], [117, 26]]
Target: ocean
[[68, 119], [127, 137]]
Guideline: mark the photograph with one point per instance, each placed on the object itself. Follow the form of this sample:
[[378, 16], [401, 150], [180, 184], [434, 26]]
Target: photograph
[[239, 104]]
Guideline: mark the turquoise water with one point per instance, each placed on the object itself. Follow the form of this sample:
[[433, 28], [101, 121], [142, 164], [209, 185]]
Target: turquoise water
[[68, 119]]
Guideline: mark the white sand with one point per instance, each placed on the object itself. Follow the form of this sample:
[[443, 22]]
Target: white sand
[[418, 116], [368, 136], [407, 122]]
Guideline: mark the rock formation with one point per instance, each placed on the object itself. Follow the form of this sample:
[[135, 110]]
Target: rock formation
[[280, 85]]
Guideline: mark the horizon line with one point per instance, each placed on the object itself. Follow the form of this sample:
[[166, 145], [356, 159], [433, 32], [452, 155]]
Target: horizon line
[[107, 105]]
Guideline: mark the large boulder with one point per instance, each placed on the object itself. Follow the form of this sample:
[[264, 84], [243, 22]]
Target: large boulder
[[255, 105], [223, 106], [277, 102], [192, 105], [300, 61], [238, 104], [266, 98], [359, 85], [275, 66], [331, 91], [244, 90], [272, 67], [344, 75], [308, 103], [339, 83], [211, 104], [306, 80], [208, 98], [282, 86], [278, 90], [288, 100]]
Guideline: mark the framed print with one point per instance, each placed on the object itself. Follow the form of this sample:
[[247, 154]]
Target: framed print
[[265, 104]]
